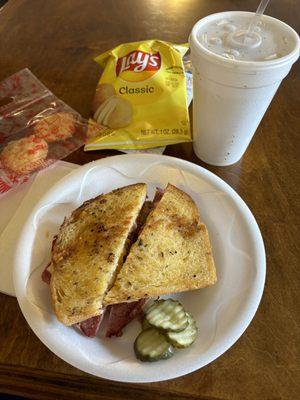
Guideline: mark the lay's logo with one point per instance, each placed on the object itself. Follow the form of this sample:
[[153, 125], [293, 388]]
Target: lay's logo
[[137, 66]]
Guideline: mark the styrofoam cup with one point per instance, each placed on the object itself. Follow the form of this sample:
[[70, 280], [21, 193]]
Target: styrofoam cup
[[230, 97]]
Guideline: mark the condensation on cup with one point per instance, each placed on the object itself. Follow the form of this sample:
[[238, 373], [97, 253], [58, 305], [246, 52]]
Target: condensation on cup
[[235, 79]]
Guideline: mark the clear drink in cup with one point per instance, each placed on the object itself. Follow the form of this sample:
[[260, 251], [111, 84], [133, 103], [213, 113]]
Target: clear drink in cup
[[236, 74]]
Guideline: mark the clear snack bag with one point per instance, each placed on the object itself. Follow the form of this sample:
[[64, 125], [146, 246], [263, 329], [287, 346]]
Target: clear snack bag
[[36, 128]]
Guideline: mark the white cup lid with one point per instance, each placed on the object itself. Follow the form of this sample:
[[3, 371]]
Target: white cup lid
[[199, 50]]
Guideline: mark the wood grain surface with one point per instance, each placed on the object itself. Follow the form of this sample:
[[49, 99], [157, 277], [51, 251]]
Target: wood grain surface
[[57, 40]]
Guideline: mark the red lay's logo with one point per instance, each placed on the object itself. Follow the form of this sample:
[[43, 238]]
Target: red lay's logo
[[137, 66]]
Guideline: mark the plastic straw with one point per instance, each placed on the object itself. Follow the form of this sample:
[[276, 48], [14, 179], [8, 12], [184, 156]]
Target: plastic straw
[[259, 12]]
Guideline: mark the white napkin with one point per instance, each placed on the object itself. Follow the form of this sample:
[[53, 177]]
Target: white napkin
[[10, 201], [15, 207]]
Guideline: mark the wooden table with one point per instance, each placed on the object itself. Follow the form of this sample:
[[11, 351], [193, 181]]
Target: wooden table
[[57, 40]]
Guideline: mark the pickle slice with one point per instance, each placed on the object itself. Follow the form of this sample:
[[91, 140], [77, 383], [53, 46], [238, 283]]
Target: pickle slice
[[167, 315], [151, 345], [185, 338]]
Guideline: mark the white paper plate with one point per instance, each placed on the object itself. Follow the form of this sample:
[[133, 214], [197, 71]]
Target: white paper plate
[[222, 311]]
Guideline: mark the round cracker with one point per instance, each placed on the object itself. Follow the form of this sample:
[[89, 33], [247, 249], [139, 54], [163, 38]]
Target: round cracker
[[24, 155], [55, 127]]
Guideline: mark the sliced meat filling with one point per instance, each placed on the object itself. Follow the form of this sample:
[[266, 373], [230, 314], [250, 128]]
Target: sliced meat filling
[[121, 314], [158, 195], [90, 326], [46, 274]]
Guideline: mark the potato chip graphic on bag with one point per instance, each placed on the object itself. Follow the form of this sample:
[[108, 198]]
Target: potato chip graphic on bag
[[141, 97]]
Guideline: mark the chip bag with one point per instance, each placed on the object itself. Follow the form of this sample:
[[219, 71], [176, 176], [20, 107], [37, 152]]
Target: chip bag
[[141, 98]]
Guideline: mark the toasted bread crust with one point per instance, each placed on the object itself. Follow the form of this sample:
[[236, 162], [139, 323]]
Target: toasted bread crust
[[88, 249], [172, 253]]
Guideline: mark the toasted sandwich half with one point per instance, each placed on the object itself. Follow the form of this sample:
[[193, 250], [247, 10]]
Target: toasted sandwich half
[[171, 254], [88, 252]]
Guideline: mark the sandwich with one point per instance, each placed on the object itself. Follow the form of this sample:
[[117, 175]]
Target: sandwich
[[171, 254], [118, 250]]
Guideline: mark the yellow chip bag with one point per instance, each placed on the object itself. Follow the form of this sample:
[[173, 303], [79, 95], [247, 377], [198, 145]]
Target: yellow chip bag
[[141, 98]]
